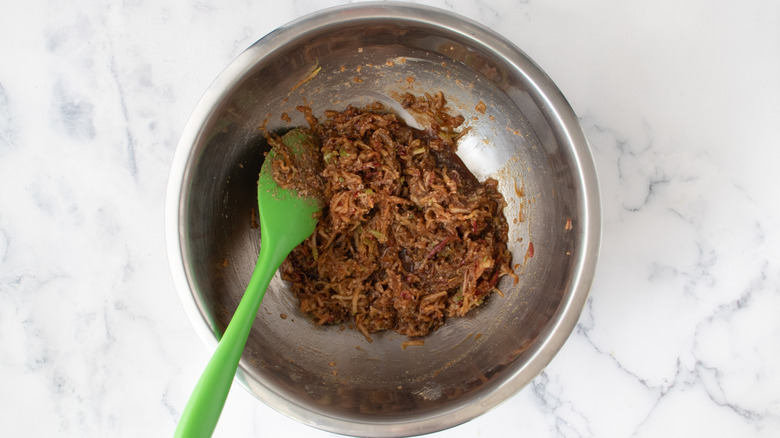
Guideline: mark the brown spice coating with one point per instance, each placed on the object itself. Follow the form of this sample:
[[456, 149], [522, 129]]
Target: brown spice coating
[[407, 237]]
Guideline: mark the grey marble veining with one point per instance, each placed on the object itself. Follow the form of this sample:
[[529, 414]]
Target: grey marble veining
[[680, 102]]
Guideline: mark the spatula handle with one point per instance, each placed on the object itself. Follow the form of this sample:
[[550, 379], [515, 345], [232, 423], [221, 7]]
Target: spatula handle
[[204, 407]]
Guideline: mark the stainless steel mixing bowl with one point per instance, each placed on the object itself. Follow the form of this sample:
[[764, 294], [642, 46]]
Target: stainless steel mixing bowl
[[522, 132]]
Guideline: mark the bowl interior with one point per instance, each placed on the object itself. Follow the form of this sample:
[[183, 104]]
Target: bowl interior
[[331, 377]]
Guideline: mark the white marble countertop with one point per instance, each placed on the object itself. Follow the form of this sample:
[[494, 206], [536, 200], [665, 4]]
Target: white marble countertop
[[679, 99]]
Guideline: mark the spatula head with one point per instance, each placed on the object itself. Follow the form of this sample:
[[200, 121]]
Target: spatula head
[[286, 218]]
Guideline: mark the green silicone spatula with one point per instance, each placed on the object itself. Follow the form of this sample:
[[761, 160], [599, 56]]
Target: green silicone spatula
[[286, 220]]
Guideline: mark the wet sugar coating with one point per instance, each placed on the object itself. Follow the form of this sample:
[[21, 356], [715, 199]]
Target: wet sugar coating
[[408, 237]]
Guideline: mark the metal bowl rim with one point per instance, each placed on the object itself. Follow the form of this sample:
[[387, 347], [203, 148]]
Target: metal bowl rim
[[557, 109]]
